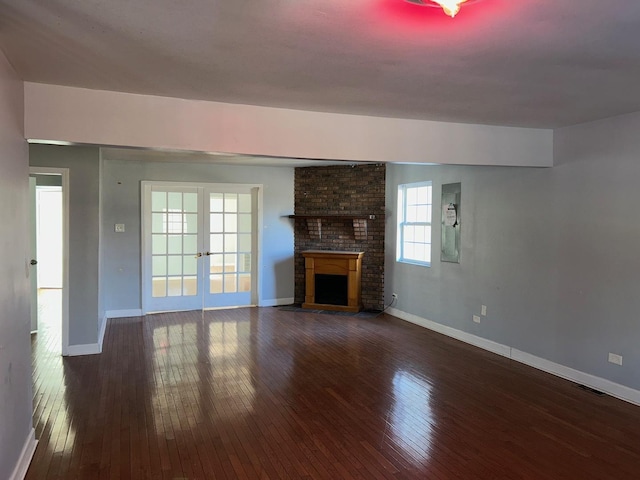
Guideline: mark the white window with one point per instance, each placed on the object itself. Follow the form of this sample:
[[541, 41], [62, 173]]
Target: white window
[[414, 223]]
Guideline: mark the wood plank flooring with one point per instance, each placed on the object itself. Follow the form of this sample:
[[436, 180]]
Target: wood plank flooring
[[261, 393]]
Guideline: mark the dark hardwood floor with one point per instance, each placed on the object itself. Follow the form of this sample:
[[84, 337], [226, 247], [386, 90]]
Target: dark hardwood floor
[[266, 394]]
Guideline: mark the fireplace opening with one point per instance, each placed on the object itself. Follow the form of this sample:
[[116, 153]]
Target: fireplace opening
[[331, 289]]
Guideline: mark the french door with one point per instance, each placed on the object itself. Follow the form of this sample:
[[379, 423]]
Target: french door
[[199, 244]]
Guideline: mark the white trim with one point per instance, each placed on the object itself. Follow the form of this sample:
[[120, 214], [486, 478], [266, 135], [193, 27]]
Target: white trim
[[64, 173], [276, 302], [614, 389], [29, 448], [86, 349], [132, 312], [465, 337]]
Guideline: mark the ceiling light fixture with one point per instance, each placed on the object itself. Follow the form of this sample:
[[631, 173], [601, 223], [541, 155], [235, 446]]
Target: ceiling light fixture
[[450, 7]]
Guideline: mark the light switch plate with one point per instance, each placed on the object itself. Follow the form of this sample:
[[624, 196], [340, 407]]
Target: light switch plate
[[119, 227]]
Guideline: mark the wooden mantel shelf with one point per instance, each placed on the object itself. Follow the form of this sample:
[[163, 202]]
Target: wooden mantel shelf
[[314, 223]]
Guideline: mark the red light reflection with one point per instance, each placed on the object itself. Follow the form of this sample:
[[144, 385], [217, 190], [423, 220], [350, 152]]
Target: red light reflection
[[409, 15]]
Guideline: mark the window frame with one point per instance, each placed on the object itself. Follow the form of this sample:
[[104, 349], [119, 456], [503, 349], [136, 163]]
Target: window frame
[[402, 223]]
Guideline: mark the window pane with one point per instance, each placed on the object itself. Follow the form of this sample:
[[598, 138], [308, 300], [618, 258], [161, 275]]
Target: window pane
[[157, 223], [158, 201], [158, 266], [230, 263], [231, 222], [409, 233], [190, 244], [175, 287], [215, 284], [412, 214], [215, 202], [245, 242], [175, 265], [230, 202], [159, 287], [190, 265], [244, 282], [423, 194], [231, 243], [175, 244], [427, 233], [159, 244], [409, 251], [244, 202], [216, 263], [245, 262], [190, 202], [230, 283], [190, 286], [421, 214], [191, 223], [174, 222], [216, 242], [175, 201], [245, 223], [216, 222], [412, 196]]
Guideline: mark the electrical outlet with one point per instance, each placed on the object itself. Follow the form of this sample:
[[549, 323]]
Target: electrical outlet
[[483, 311], [394, 295], [476, 318], [119, 227], [617, 359]]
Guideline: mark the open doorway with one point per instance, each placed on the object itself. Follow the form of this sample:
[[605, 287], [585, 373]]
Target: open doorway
[[49, 272]]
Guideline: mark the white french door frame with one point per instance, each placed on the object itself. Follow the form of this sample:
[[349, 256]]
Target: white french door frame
[[64, 174], [256, 257]]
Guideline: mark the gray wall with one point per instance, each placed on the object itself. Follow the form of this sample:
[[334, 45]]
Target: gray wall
[[121, 204], [83, 165], [551, 252], [15, 350]]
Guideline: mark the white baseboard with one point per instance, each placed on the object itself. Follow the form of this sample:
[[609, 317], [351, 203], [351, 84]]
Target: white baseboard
[[87, 349], [276, 302], [29, 448], [614, 389], [453, 332], [134, 312]]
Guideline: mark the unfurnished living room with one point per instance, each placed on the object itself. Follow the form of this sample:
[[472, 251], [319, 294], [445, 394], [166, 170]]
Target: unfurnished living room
[[374, 239]]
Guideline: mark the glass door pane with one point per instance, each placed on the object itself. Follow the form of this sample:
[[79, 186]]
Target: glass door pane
[[173, 246], [230, 248]]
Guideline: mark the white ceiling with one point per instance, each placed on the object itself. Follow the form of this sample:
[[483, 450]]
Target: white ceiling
[[534, 63]]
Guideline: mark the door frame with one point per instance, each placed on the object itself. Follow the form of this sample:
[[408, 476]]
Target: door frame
[[64, 174], [256, 260]]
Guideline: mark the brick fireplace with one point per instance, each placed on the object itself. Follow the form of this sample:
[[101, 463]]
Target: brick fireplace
[[342, 208]]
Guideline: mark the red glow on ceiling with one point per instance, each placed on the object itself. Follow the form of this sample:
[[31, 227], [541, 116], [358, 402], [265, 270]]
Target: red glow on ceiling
[[408, 15]]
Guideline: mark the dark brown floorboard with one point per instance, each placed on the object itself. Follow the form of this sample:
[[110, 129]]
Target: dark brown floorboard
[[266, 394]]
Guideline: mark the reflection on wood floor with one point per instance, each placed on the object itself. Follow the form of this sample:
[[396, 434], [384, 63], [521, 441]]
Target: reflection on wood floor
[[261, 393]]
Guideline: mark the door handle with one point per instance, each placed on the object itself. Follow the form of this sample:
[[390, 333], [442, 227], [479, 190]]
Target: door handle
[[33, 261], [198, 255]]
